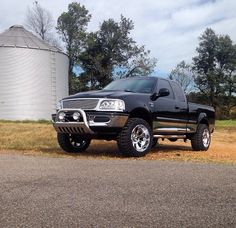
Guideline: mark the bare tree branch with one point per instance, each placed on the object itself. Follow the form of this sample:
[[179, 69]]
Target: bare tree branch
[[184, 75], [40, 22]]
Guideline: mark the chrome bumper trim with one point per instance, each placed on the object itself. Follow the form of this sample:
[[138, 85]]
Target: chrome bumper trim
[[116, 121], [170, 136]]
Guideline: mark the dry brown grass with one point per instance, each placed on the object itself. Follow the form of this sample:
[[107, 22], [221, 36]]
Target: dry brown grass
[[40, 139]]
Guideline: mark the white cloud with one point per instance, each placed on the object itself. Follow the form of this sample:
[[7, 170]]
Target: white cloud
[[170, 29]]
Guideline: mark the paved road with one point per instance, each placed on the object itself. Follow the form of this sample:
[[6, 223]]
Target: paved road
[[69, 192]]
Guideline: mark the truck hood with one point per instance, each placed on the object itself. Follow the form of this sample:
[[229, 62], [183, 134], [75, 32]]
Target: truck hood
[[104, 94]]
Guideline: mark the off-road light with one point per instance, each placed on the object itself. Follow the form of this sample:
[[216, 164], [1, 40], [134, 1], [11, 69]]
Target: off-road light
[[76, 115], [61, 116]]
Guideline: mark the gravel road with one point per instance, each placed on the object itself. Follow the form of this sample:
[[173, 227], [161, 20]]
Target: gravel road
[[70, 192]]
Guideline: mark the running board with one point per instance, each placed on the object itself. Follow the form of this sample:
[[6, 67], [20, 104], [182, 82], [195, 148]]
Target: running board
[[170, 136]]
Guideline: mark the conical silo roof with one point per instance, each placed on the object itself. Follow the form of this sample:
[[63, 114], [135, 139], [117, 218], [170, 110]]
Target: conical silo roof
[[18, 36]]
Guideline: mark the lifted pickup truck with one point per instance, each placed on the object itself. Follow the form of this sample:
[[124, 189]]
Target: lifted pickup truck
[[135, 112]]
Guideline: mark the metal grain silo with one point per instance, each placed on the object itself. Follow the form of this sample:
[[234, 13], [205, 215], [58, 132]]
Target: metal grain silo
[[33, 76]]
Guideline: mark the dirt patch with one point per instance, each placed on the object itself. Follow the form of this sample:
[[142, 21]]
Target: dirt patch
[[222, 149]]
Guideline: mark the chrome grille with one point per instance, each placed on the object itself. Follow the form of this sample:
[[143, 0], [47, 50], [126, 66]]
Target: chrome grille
[[81, 103]]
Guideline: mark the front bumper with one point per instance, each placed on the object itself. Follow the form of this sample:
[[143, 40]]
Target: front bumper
[[88, 122]]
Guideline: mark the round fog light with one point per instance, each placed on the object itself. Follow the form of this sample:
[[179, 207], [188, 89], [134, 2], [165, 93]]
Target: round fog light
[[76, 115], [61, 116]]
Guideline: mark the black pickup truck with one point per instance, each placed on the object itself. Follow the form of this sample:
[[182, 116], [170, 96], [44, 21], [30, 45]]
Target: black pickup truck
[[135, 112]]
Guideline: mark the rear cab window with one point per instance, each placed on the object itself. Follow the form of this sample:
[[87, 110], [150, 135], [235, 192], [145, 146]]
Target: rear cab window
[[178, 91]]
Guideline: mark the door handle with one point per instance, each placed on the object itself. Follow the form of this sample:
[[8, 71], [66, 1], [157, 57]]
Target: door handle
[[176, 107]]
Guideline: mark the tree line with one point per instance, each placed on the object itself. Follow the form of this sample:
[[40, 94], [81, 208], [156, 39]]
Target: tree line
[[211, 77], [102, 56], [111, 52]]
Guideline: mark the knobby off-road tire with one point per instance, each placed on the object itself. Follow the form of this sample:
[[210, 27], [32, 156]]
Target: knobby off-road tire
[[201, 140], [72, 143], [135, 139]]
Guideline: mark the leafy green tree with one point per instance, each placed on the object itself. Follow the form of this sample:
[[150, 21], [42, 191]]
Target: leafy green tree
[[139, 65], [197, 97], [204, 64], [215, 69], [72, 25], [74, 83], [112, 53], [183, 74], [226, 56]]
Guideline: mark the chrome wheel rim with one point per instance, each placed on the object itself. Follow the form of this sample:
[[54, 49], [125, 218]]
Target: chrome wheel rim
[[77, 142], [140, 138], [206, 138]]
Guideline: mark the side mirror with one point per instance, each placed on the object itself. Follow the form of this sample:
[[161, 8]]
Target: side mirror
[[154, 96], [163, 92]]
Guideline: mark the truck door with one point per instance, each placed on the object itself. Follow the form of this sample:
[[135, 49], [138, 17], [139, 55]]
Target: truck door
[[165, 117], [181, 106]]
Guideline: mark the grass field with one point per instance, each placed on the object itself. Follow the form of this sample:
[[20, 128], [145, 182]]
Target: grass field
[[39, 138], [226, 124]]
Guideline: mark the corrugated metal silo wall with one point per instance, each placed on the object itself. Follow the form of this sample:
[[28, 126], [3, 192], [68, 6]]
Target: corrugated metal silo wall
[[26, 84], [62, 84]]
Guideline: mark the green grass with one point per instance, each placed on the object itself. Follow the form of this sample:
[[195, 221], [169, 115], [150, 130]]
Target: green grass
[[226, 123], [219, 123], [41, 121]]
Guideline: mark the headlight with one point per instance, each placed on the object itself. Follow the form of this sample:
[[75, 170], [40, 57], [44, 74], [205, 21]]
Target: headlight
[[61, 116], [112, 105], [59, 105], [76, 115]]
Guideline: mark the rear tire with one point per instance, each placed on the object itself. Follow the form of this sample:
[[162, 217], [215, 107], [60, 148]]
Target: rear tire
[[135, 139], [201, 140], [72, 143]]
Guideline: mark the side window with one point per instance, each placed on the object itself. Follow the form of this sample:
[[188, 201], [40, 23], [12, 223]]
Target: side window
[[165, 84], [179, 94]]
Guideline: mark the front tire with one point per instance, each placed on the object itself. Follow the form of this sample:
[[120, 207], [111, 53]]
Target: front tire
[[201, 140], [72, 143], [154, 142], [135, 139]]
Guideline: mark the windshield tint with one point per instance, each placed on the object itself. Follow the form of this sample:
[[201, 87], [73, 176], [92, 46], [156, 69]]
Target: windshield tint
[[135, 85]]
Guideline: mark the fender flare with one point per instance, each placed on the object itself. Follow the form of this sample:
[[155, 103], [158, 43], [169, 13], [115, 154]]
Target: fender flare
[[142, 112], [202, 118]]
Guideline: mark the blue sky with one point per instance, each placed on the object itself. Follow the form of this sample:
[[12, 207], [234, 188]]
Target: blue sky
[[169, 28]]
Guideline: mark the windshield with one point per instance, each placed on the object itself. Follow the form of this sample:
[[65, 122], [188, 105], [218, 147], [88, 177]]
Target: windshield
[[136, 85]]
